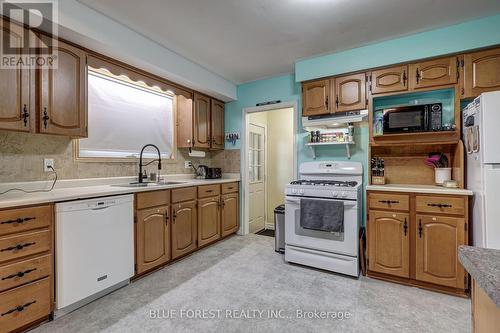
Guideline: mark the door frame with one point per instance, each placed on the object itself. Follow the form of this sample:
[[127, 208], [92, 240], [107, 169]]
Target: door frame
[[244, 226], [246, 171]]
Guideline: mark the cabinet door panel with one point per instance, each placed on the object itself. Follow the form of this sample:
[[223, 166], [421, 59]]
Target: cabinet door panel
[[153, 238], [388, 234], [481, 72], [184, 109], [389, 80], [63, 92], [437, 244], [16, 107], [433, 73], [208, 220], [217, 125], [315, 98], [184, 228], [350, 92], [230, 214], [201, 126]]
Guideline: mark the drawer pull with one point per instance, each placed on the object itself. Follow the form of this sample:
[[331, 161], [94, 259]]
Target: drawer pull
[[439, 205], [389, 201], [230, 188], [19, 274], [17, 247], [18, 220], [209, 191], [18, 308]]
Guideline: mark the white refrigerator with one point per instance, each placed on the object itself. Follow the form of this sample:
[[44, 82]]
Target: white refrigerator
[[481, 131]]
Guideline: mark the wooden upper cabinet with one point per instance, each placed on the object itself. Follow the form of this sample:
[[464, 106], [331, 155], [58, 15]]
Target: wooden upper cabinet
[[389, 80], [208, 220], [437, 241], [184, 228], [17, 107], [63, 94], [315, 98], [152, 238], [217, 125], [389, 245], [201, 124], [432, 73], [229, 214], [350, 92], [481, 73], [184, 121]]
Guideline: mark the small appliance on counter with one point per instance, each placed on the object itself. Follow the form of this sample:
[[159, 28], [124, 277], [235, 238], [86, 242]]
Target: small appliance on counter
[[214, 173], [201, 171]]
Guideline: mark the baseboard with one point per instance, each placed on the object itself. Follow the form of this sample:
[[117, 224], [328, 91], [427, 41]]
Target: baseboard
[[270, 226]]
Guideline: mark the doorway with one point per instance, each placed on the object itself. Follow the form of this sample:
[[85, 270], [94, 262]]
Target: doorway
[[268, 163]]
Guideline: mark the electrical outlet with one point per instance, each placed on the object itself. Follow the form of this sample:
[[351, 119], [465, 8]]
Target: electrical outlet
[[47, 164], [188, 164]]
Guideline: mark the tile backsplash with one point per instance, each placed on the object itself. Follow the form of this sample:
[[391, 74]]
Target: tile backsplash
[[22, 154]]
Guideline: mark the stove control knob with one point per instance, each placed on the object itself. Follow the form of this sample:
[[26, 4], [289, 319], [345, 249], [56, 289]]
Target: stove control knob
[[335, 194], [294, 191], [343, 194], [301, 192]]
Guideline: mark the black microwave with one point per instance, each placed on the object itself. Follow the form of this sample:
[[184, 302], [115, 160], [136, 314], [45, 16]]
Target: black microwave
[[413, 118]]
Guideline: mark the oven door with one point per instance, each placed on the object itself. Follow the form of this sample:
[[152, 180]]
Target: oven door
[[342, 243], [405, 119]]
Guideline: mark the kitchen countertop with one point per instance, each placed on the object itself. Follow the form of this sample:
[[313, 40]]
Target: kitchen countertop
[[484, 267], [67, 190], [429, 189]]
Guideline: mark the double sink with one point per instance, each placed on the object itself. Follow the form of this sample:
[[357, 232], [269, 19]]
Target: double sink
[[148, 184]]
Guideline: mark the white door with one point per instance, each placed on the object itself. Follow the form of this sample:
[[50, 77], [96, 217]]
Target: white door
[[256, 178]]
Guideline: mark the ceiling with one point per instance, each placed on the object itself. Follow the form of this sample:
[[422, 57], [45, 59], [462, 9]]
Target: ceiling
[[246, 40]]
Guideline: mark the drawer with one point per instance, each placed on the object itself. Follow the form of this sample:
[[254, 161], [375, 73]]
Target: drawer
[[24, 305], [443, 205], [22, 272], [208, 190], [18, 246], [183, 194], [389, 201], [152, 199], [23, 219], [230, 187]]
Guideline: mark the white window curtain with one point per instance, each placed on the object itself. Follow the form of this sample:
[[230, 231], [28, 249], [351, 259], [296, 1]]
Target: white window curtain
[[122, 118]]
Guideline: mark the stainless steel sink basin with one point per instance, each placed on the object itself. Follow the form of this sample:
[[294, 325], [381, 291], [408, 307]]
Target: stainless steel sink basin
[[148, 184]]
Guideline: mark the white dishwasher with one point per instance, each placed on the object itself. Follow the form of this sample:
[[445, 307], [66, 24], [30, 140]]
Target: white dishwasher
[[94, 249]]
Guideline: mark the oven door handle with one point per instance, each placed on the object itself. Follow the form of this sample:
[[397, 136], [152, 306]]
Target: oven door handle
[[297, 202]]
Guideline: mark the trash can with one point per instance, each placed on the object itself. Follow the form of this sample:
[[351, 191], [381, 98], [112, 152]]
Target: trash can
[[279, 229]]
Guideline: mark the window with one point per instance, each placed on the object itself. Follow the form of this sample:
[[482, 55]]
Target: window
[[123, 117]]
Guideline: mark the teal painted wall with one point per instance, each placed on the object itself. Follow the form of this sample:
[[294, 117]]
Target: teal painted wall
[[456, 38], [469, 35]]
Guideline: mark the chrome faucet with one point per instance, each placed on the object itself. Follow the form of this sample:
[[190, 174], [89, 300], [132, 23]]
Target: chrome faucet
[[140, 160]]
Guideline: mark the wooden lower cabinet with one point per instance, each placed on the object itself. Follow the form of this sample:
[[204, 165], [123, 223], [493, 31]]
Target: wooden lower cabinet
[[208, 220], [417, 246], [152, 238], [485, 313], [184, 228], [389, 250], [230, 214], [437, 241]]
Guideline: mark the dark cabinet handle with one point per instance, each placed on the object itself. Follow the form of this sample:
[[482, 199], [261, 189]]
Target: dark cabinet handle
[[337, 101], [19, 274], [420, 228], [17, 247], [404, 78], [418, 76], [230, 188], [209, 191], [18, 220], [389, 201], [405, 227], [18, 308], [440, 205], [174, 216], [45, 118], [26, 115], [326, 102]]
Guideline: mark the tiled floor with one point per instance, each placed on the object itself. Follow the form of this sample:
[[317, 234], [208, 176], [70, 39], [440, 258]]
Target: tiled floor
[[245, 274]]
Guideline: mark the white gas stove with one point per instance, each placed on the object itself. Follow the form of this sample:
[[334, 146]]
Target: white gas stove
[[336, 187]]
